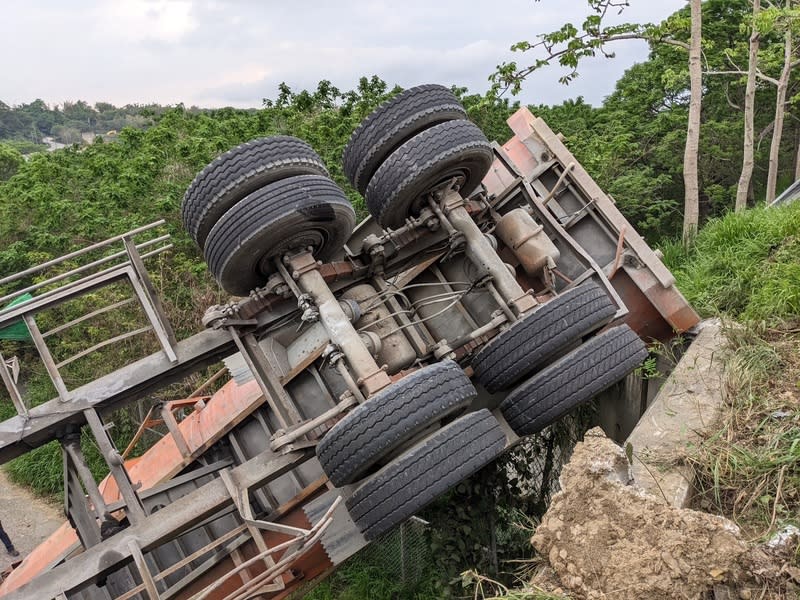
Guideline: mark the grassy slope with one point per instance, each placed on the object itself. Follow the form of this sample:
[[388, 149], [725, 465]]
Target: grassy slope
[[744, 266], [747, 267]]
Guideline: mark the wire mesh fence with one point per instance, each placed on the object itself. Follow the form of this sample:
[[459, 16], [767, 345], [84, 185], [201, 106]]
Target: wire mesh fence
[[403, 554]]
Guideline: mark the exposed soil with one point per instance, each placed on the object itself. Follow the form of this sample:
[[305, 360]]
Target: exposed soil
[[27, 519], [606, 539]]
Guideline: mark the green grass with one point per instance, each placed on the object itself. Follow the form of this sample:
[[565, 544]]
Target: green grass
[[358, 581], [749, 469], [746, 265]]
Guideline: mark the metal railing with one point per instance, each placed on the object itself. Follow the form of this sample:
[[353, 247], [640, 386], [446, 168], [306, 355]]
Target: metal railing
[[124, 265]]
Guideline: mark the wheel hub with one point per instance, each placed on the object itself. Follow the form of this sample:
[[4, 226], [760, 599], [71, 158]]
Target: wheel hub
[[311, 238]]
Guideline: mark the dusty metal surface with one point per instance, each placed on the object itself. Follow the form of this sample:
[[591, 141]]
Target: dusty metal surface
[[537, 150]]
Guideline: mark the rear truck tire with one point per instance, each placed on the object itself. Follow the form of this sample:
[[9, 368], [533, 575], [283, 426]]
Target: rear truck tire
[[426, 471], [447, 150], [393, 123], [239, 172], [572, 380], [293, 213], [390, 418], [536, 338]]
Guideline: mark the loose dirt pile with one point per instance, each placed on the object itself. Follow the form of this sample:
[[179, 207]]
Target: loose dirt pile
[[604, 538]]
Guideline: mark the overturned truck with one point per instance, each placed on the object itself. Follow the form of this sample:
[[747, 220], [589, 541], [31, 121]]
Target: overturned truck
[[493, 289]]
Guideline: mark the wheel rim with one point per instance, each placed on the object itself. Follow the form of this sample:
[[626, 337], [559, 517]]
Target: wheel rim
[[314, 240], [453, 178]]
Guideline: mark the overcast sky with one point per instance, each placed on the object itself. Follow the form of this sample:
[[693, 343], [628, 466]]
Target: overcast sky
[[236, 52]]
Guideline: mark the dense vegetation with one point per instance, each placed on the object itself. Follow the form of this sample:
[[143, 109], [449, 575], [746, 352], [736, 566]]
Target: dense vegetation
[[25, 126]]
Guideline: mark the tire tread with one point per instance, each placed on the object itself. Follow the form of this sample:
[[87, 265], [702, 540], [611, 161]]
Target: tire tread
[[393, 123], [240, 171], [262, 210], [426, 471], [394, 415], [532, 340], [573, 379], [420, 158]]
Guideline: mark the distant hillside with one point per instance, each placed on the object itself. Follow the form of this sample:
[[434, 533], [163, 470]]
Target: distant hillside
[[25, 126]]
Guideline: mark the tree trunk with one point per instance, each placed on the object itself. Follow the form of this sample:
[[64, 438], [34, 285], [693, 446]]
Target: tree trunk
[[691, 212], [780, 111], [797, 155], [749, 110]]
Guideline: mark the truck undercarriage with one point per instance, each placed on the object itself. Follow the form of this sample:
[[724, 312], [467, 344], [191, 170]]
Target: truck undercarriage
[[493, 289]]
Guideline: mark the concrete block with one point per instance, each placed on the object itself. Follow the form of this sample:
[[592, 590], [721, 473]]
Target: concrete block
[[688, 405]]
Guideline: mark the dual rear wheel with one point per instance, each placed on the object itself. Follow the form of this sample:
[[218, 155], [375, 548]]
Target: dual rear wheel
[[457, 447], [273, 195], [260, 200]]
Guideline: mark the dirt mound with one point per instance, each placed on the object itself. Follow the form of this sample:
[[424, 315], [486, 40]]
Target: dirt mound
[[606, 539]]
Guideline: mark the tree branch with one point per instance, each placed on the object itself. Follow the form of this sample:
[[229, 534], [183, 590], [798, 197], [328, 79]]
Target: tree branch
[[767, 78], [730, 102], [725, 73], [671, 42]]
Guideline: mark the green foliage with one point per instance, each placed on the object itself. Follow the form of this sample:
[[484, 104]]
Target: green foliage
[[10, 161], [28, 123], [25, 146], [569, 45], [484, 524], [357, 581], [40, 470], [744, 265]]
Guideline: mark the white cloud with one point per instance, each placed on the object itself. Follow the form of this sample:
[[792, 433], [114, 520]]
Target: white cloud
[[162, 20], [235, 52]]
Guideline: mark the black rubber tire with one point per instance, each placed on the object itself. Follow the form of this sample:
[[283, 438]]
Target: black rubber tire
[[239, 172], [533, 340], [297, 212], [573, 379], [426, 471], [453, 148], [392, 124], [391, 417]]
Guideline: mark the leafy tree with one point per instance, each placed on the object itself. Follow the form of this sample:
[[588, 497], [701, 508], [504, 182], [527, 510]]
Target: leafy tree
[[10, 161], [568, 45], [80, 113], [43, 118], [15, 124]]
